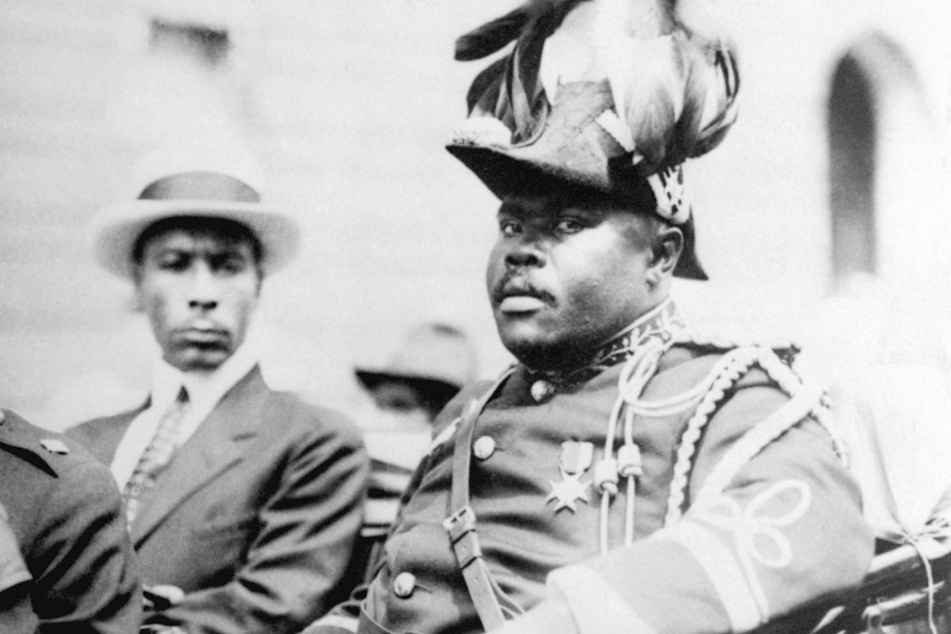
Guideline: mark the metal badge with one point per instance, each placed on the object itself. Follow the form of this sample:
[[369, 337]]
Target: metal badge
[[576, 458]]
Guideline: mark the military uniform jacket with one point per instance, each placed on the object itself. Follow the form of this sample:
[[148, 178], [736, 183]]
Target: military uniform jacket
[[256, 515], [719, 542], [66, 516], [16, 612]]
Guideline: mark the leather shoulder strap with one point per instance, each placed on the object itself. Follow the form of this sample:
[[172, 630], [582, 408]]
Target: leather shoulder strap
[[490, 602]]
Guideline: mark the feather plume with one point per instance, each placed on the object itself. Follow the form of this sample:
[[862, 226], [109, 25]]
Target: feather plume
[[494, 36], [670, 66]]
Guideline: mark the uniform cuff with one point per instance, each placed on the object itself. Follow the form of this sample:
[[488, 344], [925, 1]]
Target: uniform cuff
[[595, 606], [332, 624]]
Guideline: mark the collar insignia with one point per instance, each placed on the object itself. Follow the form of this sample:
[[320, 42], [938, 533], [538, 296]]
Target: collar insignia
[[662, 323]]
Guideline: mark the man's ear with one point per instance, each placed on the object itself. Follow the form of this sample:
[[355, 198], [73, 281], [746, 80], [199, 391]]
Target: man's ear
[[260, 273], [137, 304], [666, 247]]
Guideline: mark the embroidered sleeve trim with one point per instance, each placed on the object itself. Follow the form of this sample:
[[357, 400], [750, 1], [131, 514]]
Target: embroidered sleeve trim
[[757, 541], [594, 604]]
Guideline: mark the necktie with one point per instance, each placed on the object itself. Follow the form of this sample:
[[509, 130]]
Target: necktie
[[157, 454]]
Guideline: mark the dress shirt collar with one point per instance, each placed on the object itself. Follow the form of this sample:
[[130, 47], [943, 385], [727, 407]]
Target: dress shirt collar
[[204, 389]]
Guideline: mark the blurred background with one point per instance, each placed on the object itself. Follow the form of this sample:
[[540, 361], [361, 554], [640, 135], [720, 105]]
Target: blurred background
[[822, 217]]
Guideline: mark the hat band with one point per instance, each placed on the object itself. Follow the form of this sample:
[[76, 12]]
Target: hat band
[[200, 186]]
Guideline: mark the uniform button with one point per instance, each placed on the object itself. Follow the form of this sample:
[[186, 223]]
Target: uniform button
[[483, 447], [404, 584], [541, 390]]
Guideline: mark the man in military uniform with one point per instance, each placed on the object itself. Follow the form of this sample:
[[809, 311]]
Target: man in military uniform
[[66, 563], [628, 474], [243, 502]]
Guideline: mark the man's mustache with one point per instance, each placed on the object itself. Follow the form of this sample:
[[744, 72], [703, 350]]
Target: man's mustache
[[514, 283]]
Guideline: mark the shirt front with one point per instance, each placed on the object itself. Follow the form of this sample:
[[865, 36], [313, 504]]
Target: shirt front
[[204, 389]]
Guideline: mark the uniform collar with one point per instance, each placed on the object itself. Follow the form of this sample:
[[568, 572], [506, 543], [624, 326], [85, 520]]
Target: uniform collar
[[661, 323], [204, 389]]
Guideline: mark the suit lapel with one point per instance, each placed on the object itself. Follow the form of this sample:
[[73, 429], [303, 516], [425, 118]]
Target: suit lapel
[[219, 442], [102, 438], [105, 448]]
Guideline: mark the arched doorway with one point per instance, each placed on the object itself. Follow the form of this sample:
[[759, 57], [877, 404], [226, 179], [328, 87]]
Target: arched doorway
[[878, 177]]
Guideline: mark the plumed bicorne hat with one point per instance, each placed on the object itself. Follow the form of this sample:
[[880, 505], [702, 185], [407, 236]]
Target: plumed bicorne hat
[[612, 95], [200, 179]]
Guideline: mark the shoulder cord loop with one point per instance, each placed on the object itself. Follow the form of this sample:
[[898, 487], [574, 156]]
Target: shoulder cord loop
[[635, 375], [721, 378], [806, 400]]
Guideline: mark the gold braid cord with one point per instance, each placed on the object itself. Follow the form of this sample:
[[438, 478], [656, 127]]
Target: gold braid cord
[[725, 374], [806, 401]]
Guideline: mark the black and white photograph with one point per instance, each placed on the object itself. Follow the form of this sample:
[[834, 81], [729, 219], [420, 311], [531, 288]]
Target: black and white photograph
[[442, 317]]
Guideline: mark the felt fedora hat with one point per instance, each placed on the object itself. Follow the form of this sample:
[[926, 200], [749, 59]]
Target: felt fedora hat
[[215, 181], [436, 358]]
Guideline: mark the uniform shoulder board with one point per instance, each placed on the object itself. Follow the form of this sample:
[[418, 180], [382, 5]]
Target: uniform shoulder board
[[54, 445], [31, 443]]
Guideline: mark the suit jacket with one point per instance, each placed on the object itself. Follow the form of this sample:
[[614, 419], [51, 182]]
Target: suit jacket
[[65, 518], [256, 515]]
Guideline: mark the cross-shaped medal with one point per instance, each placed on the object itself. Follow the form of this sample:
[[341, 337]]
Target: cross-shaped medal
[[567, 492], [576, 457]]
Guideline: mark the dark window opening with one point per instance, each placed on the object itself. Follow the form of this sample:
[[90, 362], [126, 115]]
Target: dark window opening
[[852, 137]]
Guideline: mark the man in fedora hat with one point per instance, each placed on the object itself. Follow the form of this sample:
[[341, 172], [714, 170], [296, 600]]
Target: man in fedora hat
[[627, 474], [243, 503]]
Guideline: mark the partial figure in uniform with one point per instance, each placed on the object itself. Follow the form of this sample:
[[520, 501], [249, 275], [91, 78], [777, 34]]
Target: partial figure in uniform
[[16, 611], [66, 564], [243, 503], [435, 360], [629, 474]]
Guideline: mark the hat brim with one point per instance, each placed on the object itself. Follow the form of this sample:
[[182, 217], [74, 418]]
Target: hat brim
[[427, 385], [508, 170], [117, 227]]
